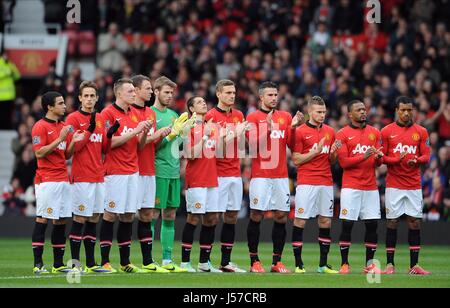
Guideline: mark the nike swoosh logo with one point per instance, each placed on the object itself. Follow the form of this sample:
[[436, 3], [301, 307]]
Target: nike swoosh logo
[[158, 121], [81, 125], [350, 138], [50, 132], [118, 119], [262, 121], [394, 136], [309, 137]]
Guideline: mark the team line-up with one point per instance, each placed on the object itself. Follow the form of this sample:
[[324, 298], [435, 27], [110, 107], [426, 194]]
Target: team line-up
[[126, 164]]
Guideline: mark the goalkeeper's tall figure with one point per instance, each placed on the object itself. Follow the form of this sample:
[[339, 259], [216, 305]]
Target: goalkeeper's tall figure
[[167, 165]]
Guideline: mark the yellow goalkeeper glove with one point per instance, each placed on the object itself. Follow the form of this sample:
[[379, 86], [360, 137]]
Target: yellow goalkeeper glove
[[177, 126]]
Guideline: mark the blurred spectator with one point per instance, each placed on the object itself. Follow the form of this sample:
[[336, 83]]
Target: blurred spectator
[[8, 75], [13, 202], [111, 47]]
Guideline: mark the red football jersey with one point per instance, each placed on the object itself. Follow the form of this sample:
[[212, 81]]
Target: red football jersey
[[414, 141], [124, 159], [146, 156], [358, 173], [87, 162], [270, 160], [228, 163], [202, 171], [51, 168], [317, 171]]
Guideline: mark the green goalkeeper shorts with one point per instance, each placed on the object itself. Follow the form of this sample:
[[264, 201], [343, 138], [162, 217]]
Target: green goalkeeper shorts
[[167, 193]]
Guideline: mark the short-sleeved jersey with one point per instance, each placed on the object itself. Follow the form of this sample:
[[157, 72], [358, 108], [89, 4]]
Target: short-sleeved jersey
[[121, 160], [167, 162], [414, 141], [358, 173], [87, 162], [146, 156], [270, 158], [202, 171], [317, 171], [228, 163], [51, 168]]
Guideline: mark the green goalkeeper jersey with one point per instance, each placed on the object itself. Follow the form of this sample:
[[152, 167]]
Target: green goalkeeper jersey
[[167, 162]]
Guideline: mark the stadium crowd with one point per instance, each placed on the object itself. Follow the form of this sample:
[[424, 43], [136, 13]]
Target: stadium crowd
[[308, 48]]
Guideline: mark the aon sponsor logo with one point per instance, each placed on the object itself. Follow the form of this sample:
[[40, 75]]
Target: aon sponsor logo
[[325, 149], [62, 146], [126, 130], [360, 149], [277, 134], [96, 138], [409, 149]]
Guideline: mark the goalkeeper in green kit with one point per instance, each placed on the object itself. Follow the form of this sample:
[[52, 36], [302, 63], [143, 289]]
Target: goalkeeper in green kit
[[167, 163]]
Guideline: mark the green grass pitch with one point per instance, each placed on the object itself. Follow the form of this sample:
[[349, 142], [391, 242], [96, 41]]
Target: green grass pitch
[[16, 266]]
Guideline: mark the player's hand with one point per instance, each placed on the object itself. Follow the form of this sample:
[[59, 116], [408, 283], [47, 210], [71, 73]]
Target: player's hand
[[78, 136], [336, 146], [113, 129], [208, 128], [412, 162], [178, 126], [378, 152], [298, 119], [92, 123], [242, 127], [163, 132], [320, 146], [64, 132], [269, 119], [370, 151], [402, 155]]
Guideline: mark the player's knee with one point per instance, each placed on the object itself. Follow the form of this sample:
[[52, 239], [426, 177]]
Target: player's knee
[[155, 214], [59, 222], [193, 219], [280, 217], [324, 222], [94, 219], [299, 223], [210, 219], [80, 219], [41, 220], [110, 217], [413, 223], [230, 217], [256, 215], [145, 215], [169, 214], [392, 223], [129, 217]]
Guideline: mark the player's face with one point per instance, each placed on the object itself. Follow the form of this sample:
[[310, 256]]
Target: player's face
[[60, 107], [358, 113], [127, 93], [269, 98], [227, 95], [405, 112], [165, 95], [88, 98], [317, 113], [199, 106], [145, 91]]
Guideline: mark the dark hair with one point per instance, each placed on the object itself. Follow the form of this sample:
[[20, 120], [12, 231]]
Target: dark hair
[[87, 84], [351, 103], [138, 80], [403, 100], [267, 85], [48, 99], [119, 83], [190, 103]]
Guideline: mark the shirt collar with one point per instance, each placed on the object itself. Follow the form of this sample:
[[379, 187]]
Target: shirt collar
[[265, 111], [118, 108], [221, 110], [138, 107], [403, 125], [49, 121], [356, 127], [313, 126], [84, 112]]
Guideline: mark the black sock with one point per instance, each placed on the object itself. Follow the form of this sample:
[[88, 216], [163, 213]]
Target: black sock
[[391, 242], [206, 234], [38, 242], [75, 237], [297, 245], [187, 241], [278, 239], [227, 242], [124, 241], [345, 240], [59, 244], [371, 239], [253, 240], [414, 246], [144, 231], [106, 237], [324, 243], [89, 240]]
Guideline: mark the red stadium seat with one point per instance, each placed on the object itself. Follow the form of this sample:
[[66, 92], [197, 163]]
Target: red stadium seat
[[87, 43]]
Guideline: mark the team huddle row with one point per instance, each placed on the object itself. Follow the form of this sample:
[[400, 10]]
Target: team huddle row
[[124, 165]]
